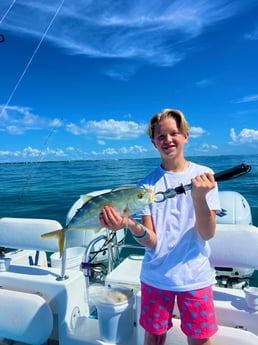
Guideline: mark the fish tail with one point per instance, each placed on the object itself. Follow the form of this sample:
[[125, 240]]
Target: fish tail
[[60, 234]]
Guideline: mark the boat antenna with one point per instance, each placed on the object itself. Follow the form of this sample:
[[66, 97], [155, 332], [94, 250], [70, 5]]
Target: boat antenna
[[33, 55]]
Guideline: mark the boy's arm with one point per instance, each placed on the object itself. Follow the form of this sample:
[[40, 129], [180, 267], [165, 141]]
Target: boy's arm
[[205, 218]]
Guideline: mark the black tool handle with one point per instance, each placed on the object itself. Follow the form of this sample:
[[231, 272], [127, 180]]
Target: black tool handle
[[232, 172]]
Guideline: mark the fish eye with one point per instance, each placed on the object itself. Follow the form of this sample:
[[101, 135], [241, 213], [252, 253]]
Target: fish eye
[[140, 195]]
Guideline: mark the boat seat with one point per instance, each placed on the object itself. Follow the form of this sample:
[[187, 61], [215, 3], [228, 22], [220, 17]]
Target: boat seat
[[25, 233], [233, 224], [235, 245], [224, 336], [22, 317]]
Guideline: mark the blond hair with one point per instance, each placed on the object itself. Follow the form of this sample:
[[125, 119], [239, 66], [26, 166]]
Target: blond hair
[[175, 114]]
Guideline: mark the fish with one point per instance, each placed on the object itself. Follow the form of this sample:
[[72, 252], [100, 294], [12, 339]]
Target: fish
[[127, 201]]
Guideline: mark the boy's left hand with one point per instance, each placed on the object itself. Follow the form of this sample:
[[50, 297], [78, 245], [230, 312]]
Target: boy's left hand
[[202, 184]]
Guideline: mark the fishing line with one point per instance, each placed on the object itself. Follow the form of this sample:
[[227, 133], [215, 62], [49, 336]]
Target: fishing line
[[41, 154], [36, 164], [31, 59], [8, 10], [2, 38]]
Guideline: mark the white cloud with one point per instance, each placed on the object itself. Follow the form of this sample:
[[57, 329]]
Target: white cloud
[[203, 83], [56, 123], [208, 148], [253, 36], [246, 135], [122, 72], [14, 130], [247, 99], [149, 31], [196, 132], [32, 154], [233, 134], [74, 129], [108, 129], [124, 151], [204, 148], [4, 153], [110, 151], [70, 148], [133, 149], [17, 120]]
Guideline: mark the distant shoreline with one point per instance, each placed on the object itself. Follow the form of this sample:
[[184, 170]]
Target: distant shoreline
[[125, 159]]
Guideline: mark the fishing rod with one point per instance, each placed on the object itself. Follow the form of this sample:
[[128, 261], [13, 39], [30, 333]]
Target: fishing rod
[[224, 175]]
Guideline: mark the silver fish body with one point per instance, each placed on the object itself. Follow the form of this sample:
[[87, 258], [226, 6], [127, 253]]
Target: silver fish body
[[126, 201]]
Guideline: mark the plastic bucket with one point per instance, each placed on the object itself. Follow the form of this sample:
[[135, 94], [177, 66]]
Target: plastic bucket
[[115, 314], [74, 258], [5, 264], [251, 297]]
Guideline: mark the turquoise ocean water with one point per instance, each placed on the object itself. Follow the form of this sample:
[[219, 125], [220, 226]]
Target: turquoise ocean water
[[49, 189]]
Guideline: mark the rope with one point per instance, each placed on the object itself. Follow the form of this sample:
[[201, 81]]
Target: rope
[[31, 59]]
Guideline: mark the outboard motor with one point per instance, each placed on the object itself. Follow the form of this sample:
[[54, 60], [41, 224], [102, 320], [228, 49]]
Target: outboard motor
[[234, 242]]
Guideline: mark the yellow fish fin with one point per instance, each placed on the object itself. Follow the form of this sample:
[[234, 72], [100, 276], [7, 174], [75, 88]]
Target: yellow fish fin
[[60, 234], [97, 229]]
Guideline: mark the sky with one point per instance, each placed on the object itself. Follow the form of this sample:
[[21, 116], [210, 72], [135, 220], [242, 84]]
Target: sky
[[80, 79]]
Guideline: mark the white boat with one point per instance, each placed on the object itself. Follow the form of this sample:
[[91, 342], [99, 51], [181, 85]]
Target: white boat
[[43, 304]]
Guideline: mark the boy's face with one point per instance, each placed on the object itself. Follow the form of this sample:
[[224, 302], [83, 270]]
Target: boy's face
[[167, 138]]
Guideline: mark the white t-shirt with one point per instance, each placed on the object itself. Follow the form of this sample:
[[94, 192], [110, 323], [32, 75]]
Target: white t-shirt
[[180, 261]]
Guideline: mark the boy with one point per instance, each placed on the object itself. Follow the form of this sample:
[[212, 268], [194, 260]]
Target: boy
[[175, 234]]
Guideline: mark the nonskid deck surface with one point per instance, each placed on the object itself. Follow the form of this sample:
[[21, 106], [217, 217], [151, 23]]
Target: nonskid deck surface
[[89, 331], [224, 336], [238, 325]]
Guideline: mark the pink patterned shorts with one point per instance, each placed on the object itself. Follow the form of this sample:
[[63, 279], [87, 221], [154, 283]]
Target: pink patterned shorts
[[196, 308]]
